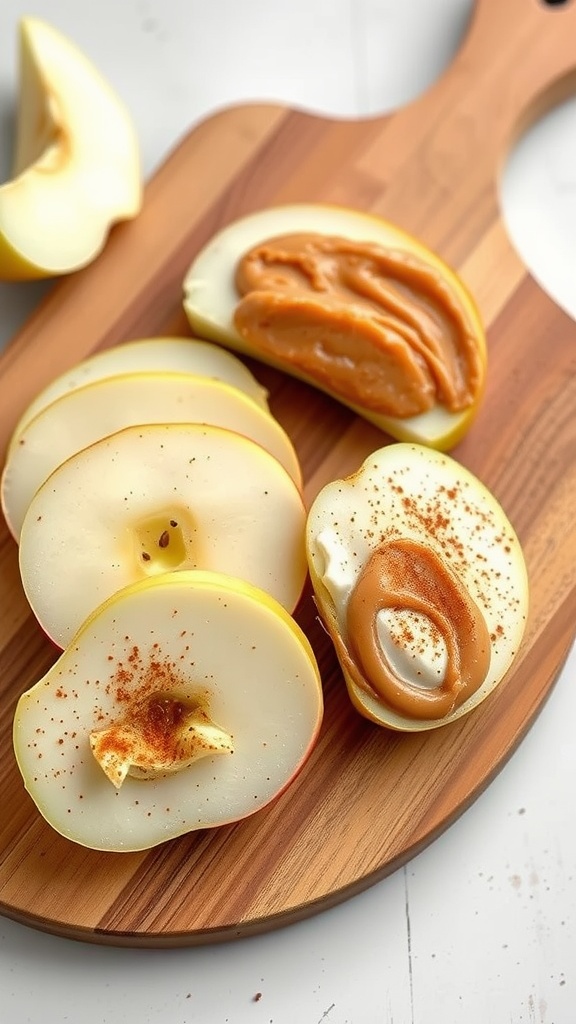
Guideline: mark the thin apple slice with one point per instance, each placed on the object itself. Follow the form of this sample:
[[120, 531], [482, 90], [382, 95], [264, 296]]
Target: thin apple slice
[[326, 355], [169, 650], [77, 168], [156, 498], [176, 355], [421, 582], [81, 417]]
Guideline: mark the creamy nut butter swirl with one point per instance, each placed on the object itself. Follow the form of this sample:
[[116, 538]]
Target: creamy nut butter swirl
[[430, 613], [381, 328]]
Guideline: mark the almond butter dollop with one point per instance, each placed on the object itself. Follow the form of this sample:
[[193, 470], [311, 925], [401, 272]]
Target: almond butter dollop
[[400, 575], [380, 328]]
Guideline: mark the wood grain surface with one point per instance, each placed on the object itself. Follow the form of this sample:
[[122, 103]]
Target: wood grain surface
[[368, 799]]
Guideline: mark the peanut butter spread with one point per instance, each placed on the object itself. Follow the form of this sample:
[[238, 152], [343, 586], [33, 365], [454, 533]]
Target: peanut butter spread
[[404, 574], [380, 328]]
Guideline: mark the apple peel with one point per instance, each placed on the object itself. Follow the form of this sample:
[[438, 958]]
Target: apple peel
[[89, 413], [148, 355]]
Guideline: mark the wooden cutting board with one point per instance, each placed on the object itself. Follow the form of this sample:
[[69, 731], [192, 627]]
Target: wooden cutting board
[[368, 799]]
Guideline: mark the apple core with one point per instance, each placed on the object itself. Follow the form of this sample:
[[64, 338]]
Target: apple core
[[159, 734], [159, 541]]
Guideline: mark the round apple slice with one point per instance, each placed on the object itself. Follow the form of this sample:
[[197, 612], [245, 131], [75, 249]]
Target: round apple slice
[[356, 356], [156, 498], [147, 355], [421, 583], [186, 701], [77, 167], [81, 417]]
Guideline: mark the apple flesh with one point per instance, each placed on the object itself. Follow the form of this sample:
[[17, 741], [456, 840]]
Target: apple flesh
[[77, 167], [415, 495], [81, 417], [210, 299], [152, 499], [214, 646], [176, 355]]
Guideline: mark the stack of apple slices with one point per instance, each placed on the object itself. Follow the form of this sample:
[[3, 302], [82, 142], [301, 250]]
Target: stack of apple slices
[[124, 469], [158, 508], [89, 413]]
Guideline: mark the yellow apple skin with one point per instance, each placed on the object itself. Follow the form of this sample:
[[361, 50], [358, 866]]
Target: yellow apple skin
[[147, 355], [216, 639], [81, 417], [210, 299], [77, 168]]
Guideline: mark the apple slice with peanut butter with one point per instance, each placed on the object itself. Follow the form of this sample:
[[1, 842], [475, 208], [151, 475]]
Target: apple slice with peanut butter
[[352, 305], [421, 582]]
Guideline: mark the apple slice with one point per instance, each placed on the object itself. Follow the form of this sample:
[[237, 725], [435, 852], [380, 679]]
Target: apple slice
[[199, 690], [324, 353], [77, 167], [177, 355], [89, 413], [421, 583], [152, 499]]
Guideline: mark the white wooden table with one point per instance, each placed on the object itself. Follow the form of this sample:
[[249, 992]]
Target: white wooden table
[[481, 927]]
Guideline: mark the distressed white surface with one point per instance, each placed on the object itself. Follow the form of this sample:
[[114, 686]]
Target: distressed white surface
[[481, 927]]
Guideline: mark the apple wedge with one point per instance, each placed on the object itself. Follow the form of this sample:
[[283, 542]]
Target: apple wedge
[[421, 582], [77, 167], [186, 701], [153, 499], [322, 337], [81, 417], [176, 355]]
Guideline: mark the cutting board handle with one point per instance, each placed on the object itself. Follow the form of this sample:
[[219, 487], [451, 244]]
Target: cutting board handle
[[442, 155], [521, 55]]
